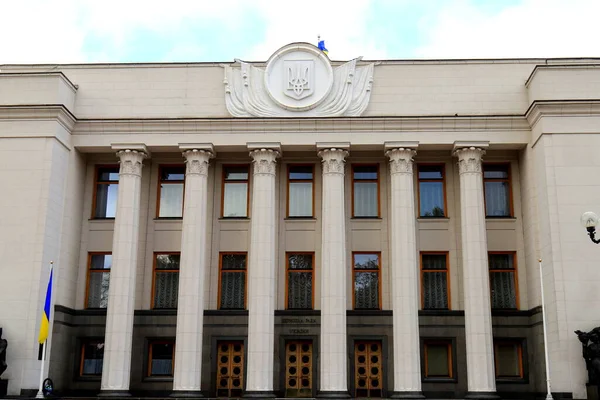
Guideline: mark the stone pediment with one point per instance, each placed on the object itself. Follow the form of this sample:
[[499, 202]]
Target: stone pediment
[[298, 81]]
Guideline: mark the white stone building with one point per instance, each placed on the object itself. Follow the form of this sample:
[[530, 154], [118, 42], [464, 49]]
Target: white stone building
[[300, 227]]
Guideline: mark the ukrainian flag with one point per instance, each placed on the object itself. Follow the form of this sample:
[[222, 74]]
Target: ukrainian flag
[[45, 325], [322, 47]]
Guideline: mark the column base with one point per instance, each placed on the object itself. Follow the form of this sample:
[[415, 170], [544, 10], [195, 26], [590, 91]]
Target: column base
[[186, 394], [407, 395], [333, 395], [115, 394], [482, 396], [259, 394]]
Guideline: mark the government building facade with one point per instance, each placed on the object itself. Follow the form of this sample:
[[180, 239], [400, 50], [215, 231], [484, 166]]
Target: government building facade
[[300, 227]]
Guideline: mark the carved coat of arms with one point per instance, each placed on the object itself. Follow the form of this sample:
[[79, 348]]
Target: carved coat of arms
[[299, 78]]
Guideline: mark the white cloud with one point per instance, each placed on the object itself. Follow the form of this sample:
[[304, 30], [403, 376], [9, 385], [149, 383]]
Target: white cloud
[[534, 28]]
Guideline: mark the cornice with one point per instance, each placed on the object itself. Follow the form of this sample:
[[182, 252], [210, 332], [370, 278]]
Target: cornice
[[43, 112], [283, 125], [538, 68], [59, 74], [553, 108]]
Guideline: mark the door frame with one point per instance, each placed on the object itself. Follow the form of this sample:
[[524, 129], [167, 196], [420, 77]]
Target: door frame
[[352, 339]]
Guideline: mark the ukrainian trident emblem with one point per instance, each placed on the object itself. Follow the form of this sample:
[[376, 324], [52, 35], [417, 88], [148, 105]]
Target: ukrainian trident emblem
[[299, 78]]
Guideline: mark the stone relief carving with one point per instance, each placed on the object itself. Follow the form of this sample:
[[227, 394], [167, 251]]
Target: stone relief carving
[[197, 161], [469, 159], [131, 162], [298, 81], [591, 353], [401, 160], [333, 160], [264, 161]]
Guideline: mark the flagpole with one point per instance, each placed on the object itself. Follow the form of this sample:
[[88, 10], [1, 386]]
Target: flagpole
[[40, 393], [545, 329]]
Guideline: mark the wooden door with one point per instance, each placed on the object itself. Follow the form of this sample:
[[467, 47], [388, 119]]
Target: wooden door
[[230, 368], [368, 374], [298, 368]]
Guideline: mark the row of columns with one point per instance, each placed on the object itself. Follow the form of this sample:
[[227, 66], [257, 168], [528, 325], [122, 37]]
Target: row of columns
[[262, 266]]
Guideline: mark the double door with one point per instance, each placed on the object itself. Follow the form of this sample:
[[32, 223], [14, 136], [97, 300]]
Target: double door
[[368, 374]]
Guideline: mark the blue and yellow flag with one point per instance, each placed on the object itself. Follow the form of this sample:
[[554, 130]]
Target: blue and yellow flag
[[45, 325], [322, 47]]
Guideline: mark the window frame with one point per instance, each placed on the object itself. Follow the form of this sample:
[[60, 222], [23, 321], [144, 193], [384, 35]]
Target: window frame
[[515, 278], [97, 167], [354, 270], [510, 191], [450, 345], [89, 272], [245, 271], [443, 180], [167, 182], [423, 271], [377, 181], [223, 182], [154, 341], [154, 262], [288, 180], [84, 342], [288, 271], [520, 345]]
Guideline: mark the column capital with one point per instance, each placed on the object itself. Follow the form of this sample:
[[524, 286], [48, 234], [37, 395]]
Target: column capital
[[401, 160], [264, 160], [469, 159], [333, 160], [196, 161], [131, 161]]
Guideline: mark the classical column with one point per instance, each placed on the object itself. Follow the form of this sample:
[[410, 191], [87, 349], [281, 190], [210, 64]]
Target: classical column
[[192, 271], [404, 271], [481, 379], [121, 292], [333, 349], [261, 272]]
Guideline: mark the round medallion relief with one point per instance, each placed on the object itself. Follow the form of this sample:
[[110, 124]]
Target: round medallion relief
[[298, 77]]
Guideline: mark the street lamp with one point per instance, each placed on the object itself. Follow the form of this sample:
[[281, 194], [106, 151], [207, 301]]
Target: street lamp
[[589, 220]]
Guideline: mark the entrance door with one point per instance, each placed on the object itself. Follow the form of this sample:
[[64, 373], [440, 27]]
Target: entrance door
[[298, 368], [368, 376], [230, 368]]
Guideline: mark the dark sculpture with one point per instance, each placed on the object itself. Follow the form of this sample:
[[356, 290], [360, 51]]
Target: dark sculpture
[[3, 345], [591, 353]]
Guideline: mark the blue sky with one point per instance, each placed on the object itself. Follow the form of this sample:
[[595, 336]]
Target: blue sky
[[65, 31]]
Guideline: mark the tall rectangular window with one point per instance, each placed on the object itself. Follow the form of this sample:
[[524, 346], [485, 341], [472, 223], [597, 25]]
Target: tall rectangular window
[[300, 190], [235, 191], [365, 191], [300, 281], [432, 198], [166, 280], [435, 288], [496, 181], [438, 358], [161, 357], [508, 357], [170, 191], [365, 279], [99, 265], [232, 281], [503, 281], [92, 357], [106, 184]]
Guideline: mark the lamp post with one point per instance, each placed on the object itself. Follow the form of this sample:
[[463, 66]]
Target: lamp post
[[589, 220]]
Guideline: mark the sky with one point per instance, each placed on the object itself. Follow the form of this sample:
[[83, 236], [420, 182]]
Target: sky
[[100, 31]]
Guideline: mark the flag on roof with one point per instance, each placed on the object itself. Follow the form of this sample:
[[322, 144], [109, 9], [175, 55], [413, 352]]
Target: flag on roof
[[322, 46]]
